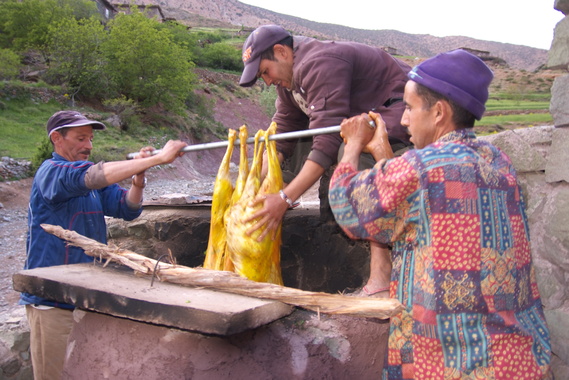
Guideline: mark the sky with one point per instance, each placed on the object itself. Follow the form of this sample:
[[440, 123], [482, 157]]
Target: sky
[[520, 22]]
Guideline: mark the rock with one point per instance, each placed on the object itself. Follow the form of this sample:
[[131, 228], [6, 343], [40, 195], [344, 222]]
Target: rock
[[557, 169], [559, 107], [558, 55], [11, 169], [562, 6], [559, 327], [518, 148], [114, 121]]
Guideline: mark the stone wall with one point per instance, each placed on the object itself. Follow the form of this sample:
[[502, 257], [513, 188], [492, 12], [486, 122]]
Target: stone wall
[[541, 164], [541, 158], [558, 58]]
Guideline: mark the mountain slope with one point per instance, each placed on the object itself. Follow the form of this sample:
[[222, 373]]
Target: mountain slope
[[238, 14]]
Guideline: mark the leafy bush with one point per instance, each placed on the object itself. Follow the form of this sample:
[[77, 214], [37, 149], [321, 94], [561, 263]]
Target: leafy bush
[[9, 64], [126, 109], [145, 64], [25, 24], [221, 55], [75, 57], [267, 98], [45, 148]]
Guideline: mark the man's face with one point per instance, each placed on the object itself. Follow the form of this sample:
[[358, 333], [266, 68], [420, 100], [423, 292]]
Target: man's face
[[76, 145], [277, 72], [420, 122]]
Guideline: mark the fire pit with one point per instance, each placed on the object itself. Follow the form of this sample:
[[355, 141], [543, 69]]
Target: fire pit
[[127, 328]]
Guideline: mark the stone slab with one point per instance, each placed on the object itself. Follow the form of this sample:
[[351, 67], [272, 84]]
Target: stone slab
[[117, 291]]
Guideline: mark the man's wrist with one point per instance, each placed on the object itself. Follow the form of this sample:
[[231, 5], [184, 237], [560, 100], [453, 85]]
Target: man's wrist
[[137, 185], [352, 154], [286, 198]]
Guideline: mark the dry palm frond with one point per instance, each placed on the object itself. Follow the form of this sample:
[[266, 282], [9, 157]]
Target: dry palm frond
[[231, 282]]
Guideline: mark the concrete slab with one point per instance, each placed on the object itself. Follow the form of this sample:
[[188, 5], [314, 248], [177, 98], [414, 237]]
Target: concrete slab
[[117, 291]]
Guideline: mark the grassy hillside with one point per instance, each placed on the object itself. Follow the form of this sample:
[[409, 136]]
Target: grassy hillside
[[518, 99]]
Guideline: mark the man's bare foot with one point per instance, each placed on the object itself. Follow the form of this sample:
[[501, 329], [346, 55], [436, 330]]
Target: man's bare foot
[[376, 293]]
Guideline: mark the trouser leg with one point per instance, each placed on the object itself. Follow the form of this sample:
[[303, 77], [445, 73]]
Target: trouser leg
[[49, 330]]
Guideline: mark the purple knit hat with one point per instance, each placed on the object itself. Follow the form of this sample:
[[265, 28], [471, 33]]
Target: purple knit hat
[[258, 41], [457, 75]]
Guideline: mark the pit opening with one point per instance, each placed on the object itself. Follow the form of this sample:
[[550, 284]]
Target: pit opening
[[315, 256]]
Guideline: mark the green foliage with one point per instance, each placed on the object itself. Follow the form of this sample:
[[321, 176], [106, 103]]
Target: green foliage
[[144, 63], [126, 109], [221, 55], [516, 103], [20, 91], [525, 119], [43, 152], [267, 98], [9, 64], [25, 24], [75, 57], [211, 48], [22, 125], [181, 37], [23, 134]]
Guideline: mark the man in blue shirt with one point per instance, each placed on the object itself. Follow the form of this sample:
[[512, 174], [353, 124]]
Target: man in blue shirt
[[76, 194]]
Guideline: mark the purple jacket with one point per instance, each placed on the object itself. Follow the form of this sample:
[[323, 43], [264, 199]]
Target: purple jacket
[[333, 81]]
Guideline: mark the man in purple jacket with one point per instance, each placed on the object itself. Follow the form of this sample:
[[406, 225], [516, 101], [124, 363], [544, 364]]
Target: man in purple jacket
[[76, 194], [319, 84]]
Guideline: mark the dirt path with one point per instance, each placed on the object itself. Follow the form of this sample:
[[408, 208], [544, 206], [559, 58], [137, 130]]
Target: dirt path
[[13, 228]]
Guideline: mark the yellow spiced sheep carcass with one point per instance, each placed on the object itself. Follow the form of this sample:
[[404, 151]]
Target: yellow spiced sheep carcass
[[222, 193], [256, 260], [239, 186]]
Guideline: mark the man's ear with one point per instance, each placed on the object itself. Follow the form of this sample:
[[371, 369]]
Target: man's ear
[[280, 51], [55, 137], [442, 110]]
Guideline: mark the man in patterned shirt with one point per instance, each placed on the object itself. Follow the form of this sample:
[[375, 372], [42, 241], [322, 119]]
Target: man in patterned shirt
[[455, 215]]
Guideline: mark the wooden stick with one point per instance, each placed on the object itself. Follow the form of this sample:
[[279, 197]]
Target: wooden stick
[[230, 282]]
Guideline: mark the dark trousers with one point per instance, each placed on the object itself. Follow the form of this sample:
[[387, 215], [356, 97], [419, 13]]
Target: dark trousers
[[292, 166]]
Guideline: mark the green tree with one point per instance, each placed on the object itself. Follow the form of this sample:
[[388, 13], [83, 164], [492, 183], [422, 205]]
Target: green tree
[[9, 64], [221, 55], [75, 57], [24, 24], [145, 64], [199, 41]]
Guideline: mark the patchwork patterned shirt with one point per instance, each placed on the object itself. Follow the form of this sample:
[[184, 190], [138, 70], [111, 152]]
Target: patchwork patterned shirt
[[455, 217]]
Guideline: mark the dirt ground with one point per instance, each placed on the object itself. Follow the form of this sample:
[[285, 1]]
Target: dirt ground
[[14, 197], [13, 228]]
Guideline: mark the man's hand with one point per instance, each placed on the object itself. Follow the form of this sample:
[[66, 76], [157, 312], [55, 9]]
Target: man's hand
[[270, 215], [357, 131], [379, 146], [171, 151]]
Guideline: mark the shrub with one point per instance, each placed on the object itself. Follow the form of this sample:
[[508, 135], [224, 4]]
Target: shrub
[[9, 64], [75, 57], [126, 109], [43, 153], [145, 64], [25, 24], [221, 56], [267, 98]]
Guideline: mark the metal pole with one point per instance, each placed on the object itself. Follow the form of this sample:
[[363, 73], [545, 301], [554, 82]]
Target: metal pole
[[251, 140]]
